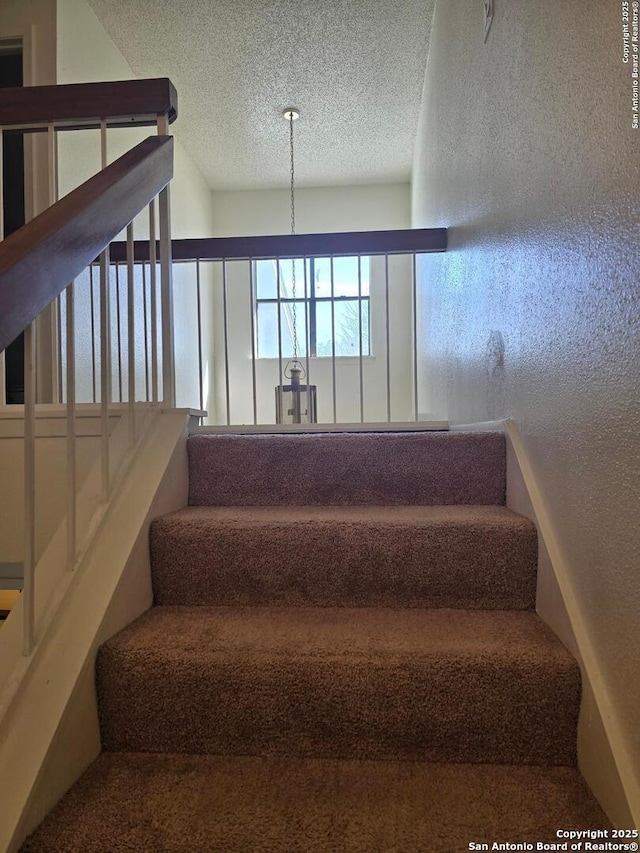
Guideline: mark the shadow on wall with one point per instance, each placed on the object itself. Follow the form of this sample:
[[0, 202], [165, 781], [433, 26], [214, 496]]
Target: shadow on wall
[[496, 377]]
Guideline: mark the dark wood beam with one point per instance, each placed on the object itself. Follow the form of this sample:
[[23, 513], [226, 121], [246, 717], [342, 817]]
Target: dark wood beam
[[298, 245], [43, 257], [125, 103]]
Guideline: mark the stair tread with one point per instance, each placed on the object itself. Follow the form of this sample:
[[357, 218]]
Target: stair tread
[[209, 633], [171, 803]]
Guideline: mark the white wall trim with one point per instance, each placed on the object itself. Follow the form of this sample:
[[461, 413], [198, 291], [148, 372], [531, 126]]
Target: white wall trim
[[371, 426], [603, 753], [481, 426], [592, 756]]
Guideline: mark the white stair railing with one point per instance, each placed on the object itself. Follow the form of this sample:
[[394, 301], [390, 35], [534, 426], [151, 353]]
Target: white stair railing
[[353, 315], [48, 277]]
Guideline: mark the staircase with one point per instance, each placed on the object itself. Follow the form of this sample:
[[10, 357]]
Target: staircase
[[343, 656]]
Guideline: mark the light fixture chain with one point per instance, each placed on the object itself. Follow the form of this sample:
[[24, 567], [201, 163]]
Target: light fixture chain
[[293, 197], [293, 231]]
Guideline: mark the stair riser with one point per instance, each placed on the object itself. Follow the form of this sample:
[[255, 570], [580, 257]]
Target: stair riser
[[373, 469], [331, 565], [452, 713]]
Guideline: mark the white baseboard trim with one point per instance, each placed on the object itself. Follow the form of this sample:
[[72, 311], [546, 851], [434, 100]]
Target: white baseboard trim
[[481, 426], [290, 429], [603, 754]]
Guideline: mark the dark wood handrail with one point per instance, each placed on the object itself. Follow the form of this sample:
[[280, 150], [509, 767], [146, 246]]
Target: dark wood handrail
[[125, 103], [296, 246], [38, 261]]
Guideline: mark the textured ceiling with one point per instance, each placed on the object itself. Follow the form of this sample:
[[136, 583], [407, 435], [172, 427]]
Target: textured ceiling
[[354, 68]]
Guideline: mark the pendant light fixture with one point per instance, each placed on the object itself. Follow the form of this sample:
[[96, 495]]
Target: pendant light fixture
[[291, 398]]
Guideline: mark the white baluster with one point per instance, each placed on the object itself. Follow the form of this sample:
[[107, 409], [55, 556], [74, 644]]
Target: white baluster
[[131, 336], [71, 428], [28, 589]]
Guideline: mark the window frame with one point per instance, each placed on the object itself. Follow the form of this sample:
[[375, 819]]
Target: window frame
[[309, 304]]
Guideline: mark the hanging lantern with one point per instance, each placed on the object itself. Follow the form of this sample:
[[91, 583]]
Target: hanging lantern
[[295, 403]]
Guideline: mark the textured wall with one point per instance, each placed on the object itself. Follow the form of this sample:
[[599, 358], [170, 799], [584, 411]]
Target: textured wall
[[525, 151]]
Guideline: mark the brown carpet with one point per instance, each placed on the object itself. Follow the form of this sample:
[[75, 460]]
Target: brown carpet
[[130, 803], [343, 657], [480, 557], [437, 685], [381, 469]]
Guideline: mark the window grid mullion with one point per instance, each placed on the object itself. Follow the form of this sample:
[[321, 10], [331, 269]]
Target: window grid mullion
[[312, 307], [310, 302]]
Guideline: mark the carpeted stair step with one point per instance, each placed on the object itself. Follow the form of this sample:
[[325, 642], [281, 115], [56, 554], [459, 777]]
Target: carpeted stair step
[[436, 685], [426, 556], [357, 469], [199, 804]]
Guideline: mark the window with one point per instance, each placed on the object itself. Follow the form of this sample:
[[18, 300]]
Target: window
[[325, 316]]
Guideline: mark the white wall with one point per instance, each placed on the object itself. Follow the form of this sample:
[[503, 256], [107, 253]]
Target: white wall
[[51, 481], [318, 210], [86, 53], [526, 153], [33, 21], [51, 473]]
